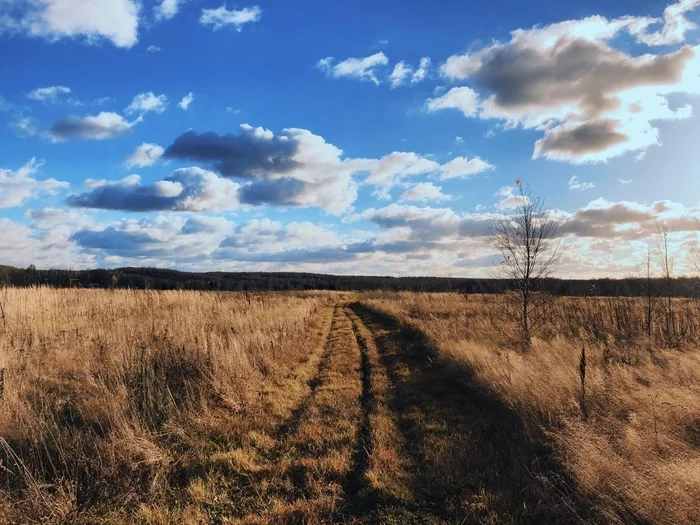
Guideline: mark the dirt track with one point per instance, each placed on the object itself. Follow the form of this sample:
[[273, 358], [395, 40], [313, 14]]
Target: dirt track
[[383, 432]]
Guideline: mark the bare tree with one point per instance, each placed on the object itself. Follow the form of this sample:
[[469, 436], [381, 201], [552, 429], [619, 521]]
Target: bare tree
[[666, 260], [527, 238], [647, 271]]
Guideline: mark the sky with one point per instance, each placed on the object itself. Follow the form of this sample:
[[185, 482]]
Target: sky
[[378, 138]]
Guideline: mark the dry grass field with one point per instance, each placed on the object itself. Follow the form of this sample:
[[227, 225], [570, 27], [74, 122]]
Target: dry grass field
[[186, 407]]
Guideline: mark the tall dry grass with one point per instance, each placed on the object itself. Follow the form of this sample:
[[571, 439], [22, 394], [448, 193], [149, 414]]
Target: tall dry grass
[[633, 443], [110, 398]]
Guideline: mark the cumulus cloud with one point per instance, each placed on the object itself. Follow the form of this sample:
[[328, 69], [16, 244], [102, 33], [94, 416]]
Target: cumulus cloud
[[390, 170], [463, 167], [161, 239], [54, 227], [184, 104], [425, 191], [222, 17], [294, 167], [463, 99], [145, 102], [428, 224], [403, 73], [297, 167], [359, 68], [602, 219], [675, 25], [153, 48], [145, 155], [509, 197], [249, 154], [105, 125], [422, 71], [19, 185], [186, 190], [48, 94], [575, 184], [577, 140], [592, 100], [400, 73], [114, 20], [167, 9], [17, 245], [268, 240]]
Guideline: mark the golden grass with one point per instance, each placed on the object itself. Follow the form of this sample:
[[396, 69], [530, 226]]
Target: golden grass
[[198, 407], [114, 400], [636, 455]]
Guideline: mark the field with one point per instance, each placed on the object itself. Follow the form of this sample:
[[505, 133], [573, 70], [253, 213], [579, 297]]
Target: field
[[146, 407]]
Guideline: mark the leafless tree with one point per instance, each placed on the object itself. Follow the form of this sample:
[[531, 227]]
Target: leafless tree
[[647, 272], [527, 237], [666, 261]]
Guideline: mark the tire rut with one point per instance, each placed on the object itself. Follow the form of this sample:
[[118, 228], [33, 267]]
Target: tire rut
[[468, 457], [316, 467], [358, 495], [291, 425]]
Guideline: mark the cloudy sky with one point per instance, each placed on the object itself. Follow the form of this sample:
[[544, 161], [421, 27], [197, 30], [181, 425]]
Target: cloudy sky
[[357, 137]]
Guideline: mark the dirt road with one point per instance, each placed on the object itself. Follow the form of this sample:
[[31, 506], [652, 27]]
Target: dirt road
[[381, 431]]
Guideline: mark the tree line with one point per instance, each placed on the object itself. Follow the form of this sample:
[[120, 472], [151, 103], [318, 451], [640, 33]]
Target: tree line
[[166, 279]]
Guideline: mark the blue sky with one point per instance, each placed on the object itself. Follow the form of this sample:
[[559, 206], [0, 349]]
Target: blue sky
[[343, 138]]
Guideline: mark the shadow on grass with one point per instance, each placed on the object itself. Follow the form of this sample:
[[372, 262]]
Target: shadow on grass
[[470, 456]]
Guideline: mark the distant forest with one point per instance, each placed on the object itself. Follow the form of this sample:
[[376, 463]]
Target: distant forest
[[164, 279]]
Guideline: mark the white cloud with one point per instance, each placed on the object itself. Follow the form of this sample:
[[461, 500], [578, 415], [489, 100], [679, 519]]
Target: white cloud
[[463, 98], [425, 191], [186, 101], [145, 102], [675, 27], [403, 72], [222, 17], [400, 73], [578, 185], [388, 171], [185, 190], [627, 221], [18, 186], [459, 140], [360, 68], [509, 197], [605, 113], [145, 155], [624, 181], [422, 71], [115, 20], [153, 48], [463, 167], [166, 9], [48, 94], [297, 167], [159, 240], [26, 127], [105, 125]]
